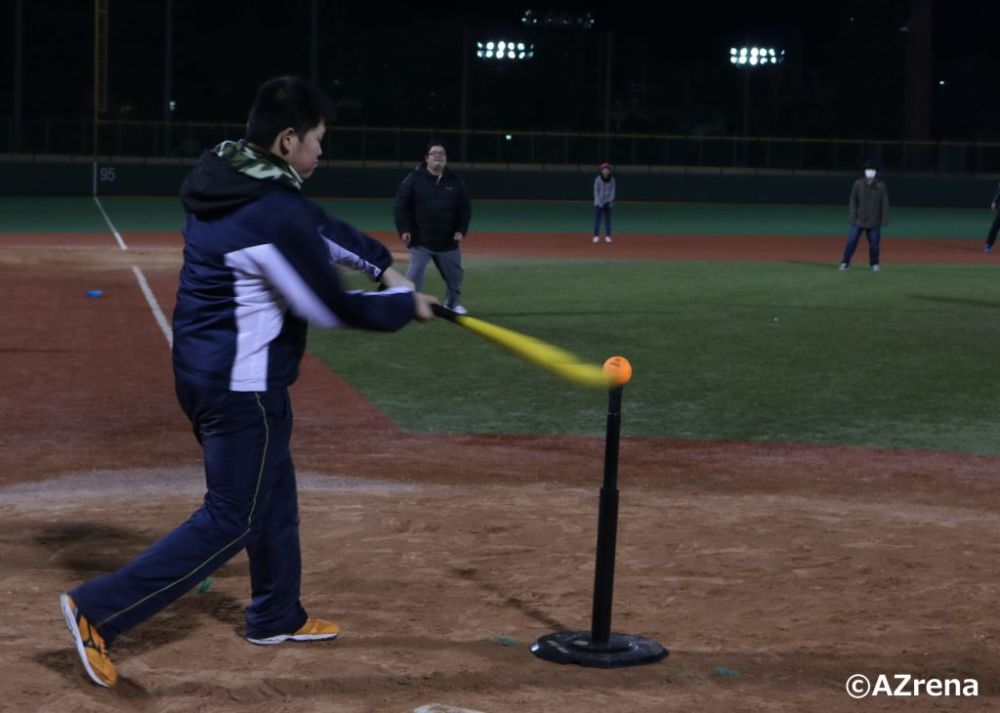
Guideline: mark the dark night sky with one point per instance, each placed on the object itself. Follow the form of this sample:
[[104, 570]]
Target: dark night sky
[[389, 64]]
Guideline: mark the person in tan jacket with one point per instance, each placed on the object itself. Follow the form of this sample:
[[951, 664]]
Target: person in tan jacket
[[869, 204]]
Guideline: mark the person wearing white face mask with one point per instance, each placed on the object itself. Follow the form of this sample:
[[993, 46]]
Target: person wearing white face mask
[[869, 204]]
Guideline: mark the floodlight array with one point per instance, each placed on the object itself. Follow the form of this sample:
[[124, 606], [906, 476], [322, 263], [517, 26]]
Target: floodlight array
[[755, 56], [505, 50], [558, 20]]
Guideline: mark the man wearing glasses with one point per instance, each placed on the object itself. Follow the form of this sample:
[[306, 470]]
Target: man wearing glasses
[[432, 214]]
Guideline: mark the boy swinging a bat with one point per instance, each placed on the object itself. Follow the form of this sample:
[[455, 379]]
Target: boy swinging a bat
[[259, 265]]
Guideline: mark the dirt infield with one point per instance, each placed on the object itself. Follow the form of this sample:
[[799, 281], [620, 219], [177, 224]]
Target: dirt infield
[[771, 572]]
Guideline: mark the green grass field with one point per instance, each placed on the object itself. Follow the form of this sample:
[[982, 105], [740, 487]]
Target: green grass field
[[751, 351], [784, 352]]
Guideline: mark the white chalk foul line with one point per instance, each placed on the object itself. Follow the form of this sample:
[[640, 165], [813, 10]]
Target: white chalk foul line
[[118, 236], [158, 315], [154, 306]]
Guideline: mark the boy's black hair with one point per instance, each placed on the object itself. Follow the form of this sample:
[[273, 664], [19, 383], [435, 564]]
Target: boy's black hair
[[432, 144], [285, 102]]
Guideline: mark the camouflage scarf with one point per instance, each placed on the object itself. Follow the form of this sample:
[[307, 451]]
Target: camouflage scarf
[[255, 162]]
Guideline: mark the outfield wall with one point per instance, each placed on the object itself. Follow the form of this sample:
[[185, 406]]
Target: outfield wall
[[132, 178]]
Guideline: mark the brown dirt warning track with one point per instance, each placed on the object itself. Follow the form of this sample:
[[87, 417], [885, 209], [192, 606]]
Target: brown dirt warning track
[[444, 557]]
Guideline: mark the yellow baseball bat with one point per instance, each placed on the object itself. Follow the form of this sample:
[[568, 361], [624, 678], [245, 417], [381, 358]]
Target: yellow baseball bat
[[558, 361]]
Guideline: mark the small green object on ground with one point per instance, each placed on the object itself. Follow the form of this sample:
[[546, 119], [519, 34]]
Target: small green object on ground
[[723, 671]]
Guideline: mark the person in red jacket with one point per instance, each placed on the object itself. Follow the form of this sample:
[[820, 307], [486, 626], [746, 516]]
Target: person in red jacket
[[604, 201]]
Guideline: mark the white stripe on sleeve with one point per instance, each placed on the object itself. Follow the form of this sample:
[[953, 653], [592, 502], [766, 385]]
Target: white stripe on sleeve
[[344, 257]]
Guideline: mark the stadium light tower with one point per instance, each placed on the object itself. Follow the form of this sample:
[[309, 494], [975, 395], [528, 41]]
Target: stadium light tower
[[489, 52], [748, 59]]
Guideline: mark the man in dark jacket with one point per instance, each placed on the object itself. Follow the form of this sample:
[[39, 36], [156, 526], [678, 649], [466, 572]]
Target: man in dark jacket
[[432, 214], [869, 205], [258, 266]]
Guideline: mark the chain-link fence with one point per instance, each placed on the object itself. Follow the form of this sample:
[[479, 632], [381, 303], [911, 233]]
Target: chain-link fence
[[406, 146]]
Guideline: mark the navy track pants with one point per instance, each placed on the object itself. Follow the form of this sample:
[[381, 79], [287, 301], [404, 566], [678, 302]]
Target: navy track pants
[[251, 502]]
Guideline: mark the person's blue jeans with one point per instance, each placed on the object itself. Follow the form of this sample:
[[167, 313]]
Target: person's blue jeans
[[991, 237], [605, 211], [874, 236]]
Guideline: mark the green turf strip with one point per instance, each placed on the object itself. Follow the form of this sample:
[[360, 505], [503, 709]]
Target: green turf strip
[[165, 214], [715, 219], [748, 351], [50, 215]]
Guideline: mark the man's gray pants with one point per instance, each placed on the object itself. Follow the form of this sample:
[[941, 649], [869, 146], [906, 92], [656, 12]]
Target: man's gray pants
[[448, 263]]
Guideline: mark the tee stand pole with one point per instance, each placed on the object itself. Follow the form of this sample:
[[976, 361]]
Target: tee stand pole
[[600, 647], [607, 527]]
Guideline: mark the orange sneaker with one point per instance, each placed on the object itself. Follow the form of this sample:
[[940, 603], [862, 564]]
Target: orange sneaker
[[89, 644], [312, 630]]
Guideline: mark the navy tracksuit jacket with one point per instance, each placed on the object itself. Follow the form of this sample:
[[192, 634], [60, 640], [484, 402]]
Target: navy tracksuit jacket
[[258, 266]]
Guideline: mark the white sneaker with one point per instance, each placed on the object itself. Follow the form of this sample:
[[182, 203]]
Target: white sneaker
[[597, 238], [876, 268], [607, 238], [459, 309], [843, 267]]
